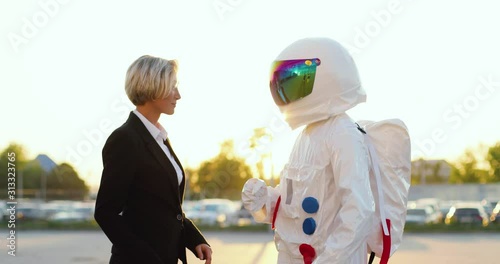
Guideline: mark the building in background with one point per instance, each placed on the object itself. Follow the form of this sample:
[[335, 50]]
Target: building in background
[[430, 171]]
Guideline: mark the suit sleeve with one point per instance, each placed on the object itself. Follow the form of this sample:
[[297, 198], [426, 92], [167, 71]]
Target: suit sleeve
[[351, 225], [192, 236], [120, 159]]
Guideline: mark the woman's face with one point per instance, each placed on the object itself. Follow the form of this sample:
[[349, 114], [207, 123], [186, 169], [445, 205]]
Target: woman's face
[[167, 105]]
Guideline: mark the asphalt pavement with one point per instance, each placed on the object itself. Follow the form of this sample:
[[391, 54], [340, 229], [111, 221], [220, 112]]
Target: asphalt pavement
[[92, 247]]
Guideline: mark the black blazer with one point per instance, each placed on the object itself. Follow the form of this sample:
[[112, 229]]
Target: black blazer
[[139, 201]]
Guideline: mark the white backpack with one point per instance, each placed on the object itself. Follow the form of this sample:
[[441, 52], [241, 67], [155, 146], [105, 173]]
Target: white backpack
[[388, 144]]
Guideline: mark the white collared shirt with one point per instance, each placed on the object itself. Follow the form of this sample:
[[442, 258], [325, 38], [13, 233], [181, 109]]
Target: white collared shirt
[[160, 135]]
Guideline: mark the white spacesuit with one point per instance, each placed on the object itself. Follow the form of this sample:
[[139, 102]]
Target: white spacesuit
[[323, 208]]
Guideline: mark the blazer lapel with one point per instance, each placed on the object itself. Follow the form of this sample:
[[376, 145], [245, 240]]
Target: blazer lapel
[[183, 182], [157, 152]]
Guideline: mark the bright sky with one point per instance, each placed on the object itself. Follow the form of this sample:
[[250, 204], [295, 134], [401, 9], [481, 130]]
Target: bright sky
[[433, 64]]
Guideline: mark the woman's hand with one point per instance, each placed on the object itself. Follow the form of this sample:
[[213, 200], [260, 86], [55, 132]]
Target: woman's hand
[[204, 252]]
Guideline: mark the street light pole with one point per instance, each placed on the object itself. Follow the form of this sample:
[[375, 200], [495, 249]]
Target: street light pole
[[43, 185], [20, 186]]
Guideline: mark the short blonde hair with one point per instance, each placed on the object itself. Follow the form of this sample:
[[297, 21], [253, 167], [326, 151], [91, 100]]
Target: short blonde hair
[[149, 78]]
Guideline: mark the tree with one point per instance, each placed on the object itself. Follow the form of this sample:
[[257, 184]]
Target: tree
[[17, 155], [256, 144], [428, 171], [259, 144], [192, 188], [435, 176], [465, 170], [63, 182], [30, 181], [33, 182], [32, 175], [493, 158], [224, 175], [416, 171]]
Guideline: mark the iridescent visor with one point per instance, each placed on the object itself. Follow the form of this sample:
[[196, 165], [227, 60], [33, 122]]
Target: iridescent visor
[[292, 79]]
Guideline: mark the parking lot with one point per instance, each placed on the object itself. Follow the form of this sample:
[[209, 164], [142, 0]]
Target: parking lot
[[257, 247], [92, 247], [223, 213]]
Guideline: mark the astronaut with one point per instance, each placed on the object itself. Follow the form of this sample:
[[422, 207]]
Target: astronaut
[[323, 208]]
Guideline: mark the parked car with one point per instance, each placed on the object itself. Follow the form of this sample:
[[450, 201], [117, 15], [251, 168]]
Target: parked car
[[85, 208], [29, 211], [70, 211], [420, 215], [69, 217], [53, 207], [489, 204], [495, 214], [434, 204], [467, 213], [491, 201], [445, 206], [3, 211], [189, 204], [245, 218], [213, 212]]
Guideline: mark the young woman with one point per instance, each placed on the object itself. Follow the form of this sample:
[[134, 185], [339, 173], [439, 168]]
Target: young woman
[[142, 186]]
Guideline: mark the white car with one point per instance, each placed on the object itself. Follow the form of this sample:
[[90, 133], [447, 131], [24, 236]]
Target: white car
[[420, 215], [434, 204], [71, 212], [213, 212]]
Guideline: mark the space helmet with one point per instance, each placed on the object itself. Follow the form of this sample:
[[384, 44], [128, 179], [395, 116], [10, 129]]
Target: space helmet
[[313, 79]]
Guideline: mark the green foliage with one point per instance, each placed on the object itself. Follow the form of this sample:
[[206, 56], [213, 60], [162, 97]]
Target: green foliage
[[14, 154], [465, 169], [222, 176], [259, 138], [454, 175], [32, 175], [435, 177], [62, 182], [65, 183], [493, 158], [473, 166], [428, 172]]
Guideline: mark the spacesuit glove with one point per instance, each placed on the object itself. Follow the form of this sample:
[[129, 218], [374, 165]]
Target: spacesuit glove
[[254, 195]]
